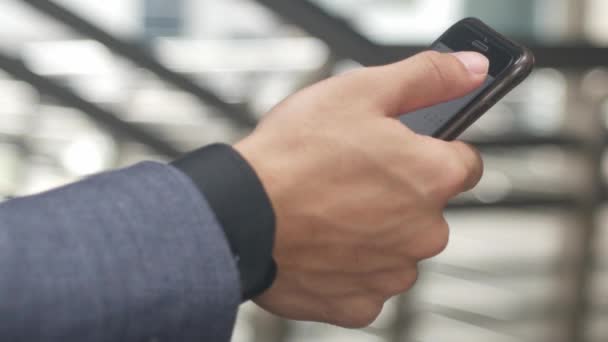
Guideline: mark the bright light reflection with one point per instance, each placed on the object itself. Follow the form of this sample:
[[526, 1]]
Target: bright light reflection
[[87, 155]]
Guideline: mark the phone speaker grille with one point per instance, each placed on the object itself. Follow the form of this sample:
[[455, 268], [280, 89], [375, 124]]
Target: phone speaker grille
[[480, 46]]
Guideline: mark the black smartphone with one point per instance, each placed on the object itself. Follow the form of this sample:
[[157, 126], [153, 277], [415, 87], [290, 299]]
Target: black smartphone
[[510, 64]]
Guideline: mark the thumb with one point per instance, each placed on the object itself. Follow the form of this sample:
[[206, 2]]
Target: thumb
[[424, 80]]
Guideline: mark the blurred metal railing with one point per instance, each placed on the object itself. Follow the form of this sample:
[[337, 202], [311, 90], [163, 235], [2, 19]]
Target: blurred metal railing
[[130, 50], [110, 120], [347, 42]]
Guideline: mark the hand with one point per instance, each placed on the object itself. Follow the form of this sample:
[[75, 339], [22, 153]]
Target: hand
[[359, 198]]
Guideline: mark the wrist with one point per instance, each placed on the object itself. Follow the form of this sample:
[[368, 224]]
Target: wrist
[[269, 162], [238, 198]]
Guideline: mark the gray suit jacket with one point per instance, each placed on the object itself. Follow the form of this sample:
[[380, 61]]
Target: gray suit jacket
[[133, 255]]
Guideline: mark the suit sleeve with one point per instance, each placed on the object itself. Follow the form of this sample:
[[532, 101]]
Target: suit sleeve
[[131, 255]]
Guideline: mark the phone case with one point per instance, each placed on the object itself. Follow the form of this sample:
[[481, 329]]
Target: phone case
[[504, 83]]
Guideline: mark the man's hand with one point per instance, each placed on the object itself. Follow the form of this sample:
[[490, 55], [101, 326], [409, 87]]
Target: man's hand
[[359, 198]]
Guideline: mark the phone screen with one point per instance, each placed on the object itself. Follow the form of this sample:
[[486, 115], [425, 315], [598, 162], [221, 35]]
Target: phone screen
[[430, 120]]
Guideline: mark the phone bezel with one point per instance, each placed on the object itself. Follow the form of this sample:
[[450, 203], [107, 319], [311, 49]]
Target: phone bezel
[[507, 74]]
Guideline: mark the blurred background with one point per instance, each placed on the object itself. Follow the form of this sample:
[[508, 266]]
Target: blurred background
[[87, 86]]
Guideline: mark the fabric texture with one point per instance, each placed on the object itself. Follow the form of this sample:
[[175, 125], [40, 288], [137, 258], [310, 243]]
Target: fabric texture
[[238, 198], [128, 256]]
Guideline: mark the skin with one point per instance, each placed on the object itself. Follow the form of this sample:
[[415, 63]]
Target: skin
[[359, 198]]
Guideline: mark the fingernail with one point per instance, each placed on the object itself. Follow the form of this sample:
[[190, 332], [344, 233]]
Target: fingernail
[[475, 62]]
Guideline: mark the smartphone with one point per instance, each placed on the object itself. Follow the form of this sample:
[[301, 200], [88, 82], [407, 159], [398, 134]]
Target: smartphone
[[510, 64]]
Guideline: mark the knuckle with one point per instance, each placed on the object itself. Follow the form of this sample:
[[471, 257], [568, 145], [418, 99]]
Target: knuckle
[[450, 175], [458, 171], [358, 313], [476, 169], [456, 174], [445, 77], [434, 242], [450, 170], [438, 71], [448, 75], [440, 238], [399, 283]]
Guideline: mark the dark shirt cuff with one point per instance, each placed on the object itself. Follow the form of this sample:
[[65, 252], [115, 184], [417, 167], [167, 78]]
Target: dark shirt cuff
[[242, 207]]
